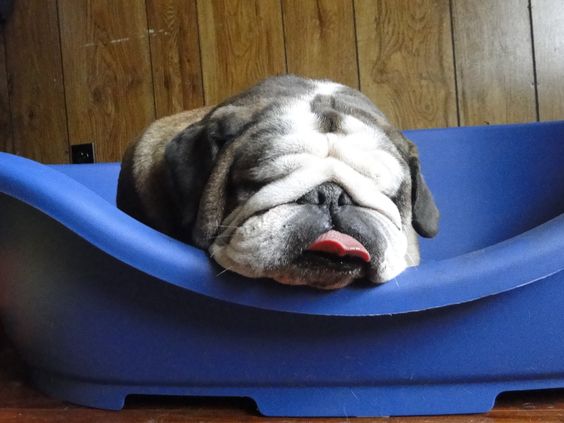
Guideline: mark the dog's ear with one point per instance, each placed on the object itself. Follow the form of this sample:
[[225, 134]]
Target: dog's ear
[[192, 158], [189, 158], [425, 214], [227, 123]]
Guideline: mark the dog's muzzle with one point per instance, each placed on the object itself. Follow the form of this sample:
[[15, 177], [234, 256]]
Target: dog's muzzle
[[332, 197]]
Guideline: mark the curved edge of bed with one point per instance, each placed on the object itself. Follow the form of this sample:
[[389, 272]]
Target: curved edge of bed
[[526, 258]]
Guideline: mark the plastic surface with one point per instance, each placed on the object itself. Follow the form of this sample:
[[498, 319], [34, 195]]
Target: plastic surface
[[490, 183], [102, 306]]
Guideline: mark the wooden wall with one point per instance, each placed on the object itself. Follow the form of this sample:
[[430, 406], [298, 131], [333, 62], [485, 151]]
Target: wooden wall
[[80, 71]]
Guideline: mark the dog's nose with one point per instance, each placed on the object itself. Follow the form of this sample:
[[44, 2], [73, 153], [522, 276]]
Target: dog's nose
[[328, 195]]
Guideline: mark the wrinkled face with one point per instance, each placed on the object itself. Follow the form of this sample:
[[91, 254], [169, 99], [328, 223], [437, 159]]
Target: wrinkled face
[[319, 199]]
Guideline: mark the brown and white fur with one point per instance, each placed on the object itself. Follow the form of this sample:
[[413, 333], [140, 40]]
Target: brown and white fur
[[258, 178]]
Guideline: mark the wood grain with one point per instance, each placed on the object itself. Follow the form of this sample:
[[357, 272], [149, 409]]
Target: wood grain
[[35, 82], [320, 39], [125, 62], [548, 29], [406, 62], [6, 140], [242, 42], [109, 91], [175, 55], [494, 61]]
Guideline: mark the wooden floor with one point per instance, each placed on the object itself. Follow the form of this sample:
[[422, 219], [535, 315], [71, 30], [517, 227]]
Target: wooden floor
[[19, 402]]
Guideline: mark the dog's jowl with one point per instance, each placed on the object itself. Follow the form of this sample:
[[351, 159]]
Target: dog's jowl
[[302, 181]]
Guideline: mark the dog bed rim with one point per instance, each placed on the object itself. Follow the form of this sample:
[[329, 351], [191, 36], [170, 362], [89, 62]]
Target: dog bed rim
[[493, 270]]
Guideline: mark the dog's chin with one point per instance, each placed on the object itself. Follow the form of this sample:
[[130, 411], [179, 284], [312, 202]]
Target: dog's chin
[[321, 277], [322, 271], [317, 270], [337, 281]]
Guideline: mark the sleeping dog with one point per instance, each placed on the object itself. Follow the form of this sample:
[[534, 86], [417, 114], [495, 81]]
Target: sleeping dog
[[299, 180]]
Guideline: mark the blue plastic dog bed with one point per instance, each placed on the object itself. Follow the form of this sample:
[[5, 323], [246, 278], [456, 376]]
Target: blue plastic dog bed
[[101, 306]]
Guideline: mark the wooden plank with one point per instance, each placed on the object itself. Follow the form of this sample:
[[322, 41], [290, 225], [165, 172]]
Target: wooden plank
[[494, 62], [175, 55], [406, 62], [548, 29], [320, 39], [108, 82], [6, 140], [33, 64], [242, 42]]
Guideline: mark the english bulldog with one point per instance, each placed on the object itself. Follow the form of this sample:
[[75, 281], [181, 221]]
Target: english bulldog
[[302, 181]]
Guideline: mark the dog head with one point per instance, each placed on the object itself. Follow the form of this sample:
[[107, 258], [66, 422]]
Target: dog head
[[304, 182]]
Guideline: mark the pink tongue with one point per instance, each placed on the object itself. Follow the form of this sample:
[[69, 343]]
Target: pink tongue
[[335, 242]]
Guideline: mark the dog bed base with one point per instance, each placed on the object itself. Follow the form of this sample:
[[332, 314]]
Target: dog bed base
[[356, 401], [101, 307]]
